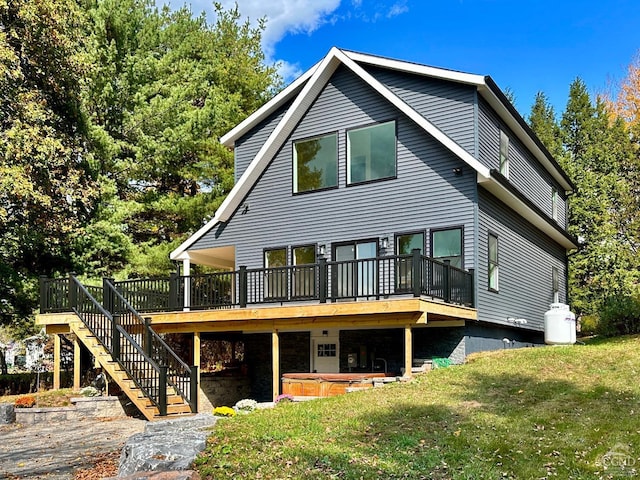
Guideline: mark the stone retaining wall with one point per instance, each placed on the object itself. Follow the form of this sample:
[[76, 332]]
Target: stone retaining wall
[[83, 407]]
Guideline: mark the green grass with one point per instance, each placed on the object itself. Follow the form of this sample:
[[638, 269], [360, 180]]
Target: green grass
[[552, 412]]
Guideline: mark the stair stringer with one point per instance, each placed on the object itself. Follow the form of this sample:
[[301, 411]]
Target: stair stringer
[[175, 404]]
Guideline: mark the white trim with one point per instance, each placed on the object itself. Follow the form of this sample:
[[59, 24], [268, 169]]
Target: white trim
[[229, 138], [403, 66], [422, 122]]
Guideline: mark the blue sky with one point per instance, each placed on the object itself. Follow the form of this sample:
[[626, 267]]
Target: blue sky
[[526, 46]]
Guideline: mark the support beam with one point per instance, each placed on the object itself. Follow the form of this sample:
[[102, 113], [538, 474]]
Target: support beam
[[77, 367], [275, 362], [56, 362], [408, 351], [186, 272], [197, 359]]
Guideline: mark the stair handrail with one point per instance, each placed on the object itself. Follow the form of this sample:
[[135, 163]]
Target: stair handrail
[[180, 376], [100, 322]]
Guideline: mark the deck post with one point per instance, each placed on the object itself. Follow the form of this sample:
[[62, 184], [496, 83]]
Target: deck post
[[472, 287], [162, 391], [56, 363], [73, 291], [416, 272], [322, 280], [77, 366], [408, 351], [275, 362], [107, 294], [174, 278], [446, 293], [242, 286]]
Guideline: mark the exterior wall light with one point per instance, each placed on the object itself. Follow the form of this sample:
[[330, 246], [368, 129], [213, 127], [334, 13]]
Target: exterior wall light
[[384, 243], [321, 250]]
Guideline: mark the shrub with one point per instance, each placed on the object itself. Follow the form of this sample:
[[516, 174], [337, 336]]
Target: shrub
[[284, 398], [246, 405], [90, 392], [224, 412], [27, 401], [620, 315]]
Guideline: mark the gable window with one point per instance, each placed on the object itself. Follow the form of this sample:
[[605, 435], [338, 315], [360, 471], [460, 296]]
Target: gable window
[[315, 164], [405, 244], [494, 268], [554, 204], [304, 274], [504, 154], [275, 282], [446, 245], [371, 153]]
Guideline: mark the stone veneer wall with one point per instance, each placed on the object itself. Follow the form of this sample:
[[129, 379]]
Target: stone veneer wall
[[432, 342], [294, 357], [83, 407], [220, 391]]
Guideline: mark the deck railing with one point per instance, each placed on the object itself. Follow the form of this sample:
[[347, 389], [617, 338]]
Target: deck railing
[[324, 281]]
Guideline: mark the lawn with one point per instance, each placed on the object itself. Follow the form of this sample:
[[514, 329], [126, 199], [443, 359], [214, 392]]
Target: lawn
[[552, 412]]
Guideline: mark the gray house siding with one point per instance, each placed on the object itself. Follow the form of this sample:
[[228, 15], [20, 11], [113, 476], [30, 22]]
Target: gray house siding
[[246, 148], [526, 258], [525, 172], [426, 194], [449, 106]]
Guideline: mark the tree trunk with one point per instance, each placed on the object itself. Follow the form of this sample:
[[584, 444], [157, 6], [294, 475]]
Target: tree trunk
[[3, 364]]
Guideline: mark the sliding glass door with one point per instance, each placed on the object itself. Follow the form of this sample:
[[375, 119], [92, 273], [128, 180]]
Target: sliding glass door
[[356, 276]]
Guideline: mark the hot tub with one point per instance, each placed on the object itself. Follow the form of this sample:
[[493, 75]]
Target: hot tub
[[327, 384]]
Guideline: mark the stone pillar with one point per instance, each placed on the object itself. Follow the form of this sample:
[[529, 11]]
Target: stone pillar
[[56, 362], [408, 351], [77, 367], [275, 362]]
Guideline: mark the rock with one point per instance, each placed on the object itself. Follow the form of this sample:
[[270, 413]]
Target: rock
[[165, 445], [7, 413]]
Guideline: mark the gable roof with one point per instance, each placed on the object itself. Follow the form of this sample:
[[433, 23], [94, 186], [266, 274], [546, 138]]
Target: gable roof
[[303, 92]]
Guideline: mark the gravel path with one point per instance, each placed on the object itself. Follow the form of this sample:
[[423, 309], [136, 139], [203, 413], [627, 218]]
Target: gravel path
[[54, 450]]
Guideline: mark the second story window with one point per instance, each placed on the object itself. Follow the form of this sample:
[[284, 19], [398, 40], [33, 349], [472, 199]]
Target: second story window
[[371, 153], [554, 204], [494, 268], [504, 154], [315, 163]]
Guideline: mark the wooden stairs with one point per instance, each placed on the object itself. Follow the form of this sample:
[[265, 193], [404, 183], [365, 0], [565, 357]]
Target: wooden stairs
[[176, 406]]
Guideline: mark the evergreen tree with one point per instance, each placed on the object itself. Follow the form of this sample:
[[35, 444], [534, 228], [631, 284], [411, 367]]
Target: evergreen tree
[[47, 189], [167, 86], [600, 211]]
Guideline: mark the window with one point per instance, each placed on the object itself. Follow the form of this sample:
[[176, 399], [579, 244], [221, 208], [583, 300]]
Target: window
[[275, 260], [494, 268], [304, 273], [371, 153], [326, 350], [446, 245], [405, 244], [555, 284], [554, 204], [315, 164], [504, 154]]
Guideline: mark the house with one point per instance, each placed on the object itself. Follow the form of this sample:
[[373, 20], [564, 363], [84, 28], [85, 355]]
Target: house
[[384, 213]]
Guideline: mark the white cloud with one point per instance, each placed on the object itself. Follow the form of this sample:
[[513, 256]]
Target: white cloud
[[285, 16], [298, 17]]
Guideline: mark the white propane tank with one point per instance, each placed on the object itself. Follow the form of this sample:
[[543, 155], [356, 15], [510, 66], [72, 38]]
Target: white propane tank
[[559, 325]]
